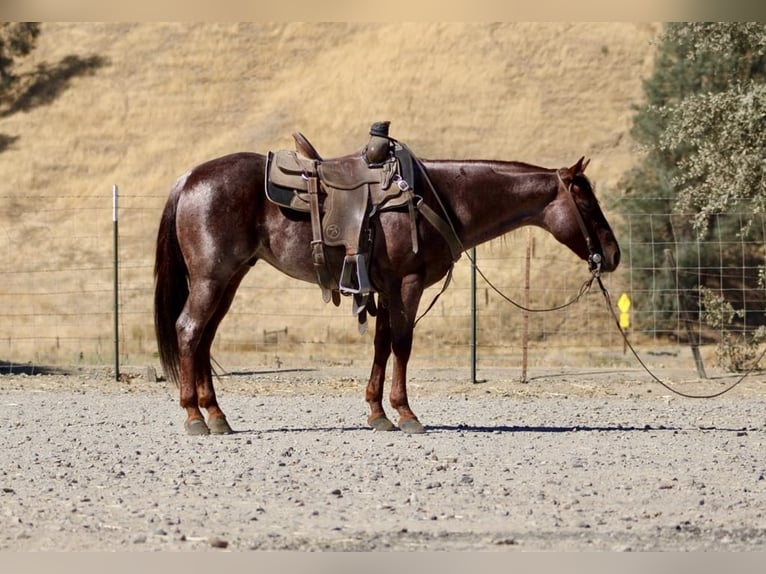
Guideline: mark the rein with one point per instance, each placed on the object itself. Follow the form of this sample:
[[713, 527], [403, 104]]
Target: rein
[[584, 288]]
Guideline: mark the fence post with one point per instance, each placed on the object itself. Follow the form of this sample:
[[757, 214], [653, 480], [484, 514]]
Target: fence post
[[115, 234], [473, 315], [525, 322], [683, 310]]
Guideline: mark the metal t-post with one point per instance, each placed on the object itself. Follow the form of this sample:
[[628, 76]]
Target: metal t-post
[[116, 286], [473, 315]]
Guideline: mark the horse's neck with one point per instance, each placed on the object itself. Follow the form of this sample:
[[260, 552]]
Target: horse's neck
[[489, 198]]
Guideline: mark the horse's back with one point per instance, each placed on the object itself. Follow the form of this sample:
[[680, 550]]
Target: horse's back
[[234, 169]]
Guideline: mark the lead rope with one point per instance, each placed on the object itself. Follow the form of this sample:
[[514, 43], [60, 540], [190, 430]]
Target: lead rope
[[608, 300], [594, 264]]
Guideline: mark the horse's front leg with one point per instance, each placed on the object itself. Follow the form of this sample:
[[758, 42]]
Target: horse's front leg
[[402, 315], [374, 394]]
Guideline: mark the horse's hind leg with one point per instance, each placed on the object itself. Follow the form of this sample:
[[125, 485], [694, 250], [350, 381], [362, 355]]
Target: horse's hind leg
[[374, 394], [208, 301], [206, 397]]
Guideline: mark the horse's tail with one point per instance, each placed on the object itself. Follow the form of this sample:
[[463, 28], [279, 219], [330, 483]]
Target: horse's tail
[[171, 287]]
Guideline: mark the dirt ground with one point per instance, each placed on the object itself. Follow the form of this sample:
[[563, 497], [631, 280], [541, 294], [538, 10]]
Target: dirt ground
[[575, 459]]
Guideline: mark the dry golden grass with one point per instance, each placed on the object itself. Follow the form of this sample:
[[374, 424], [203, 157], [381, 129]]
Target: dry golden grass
[[170, 95]]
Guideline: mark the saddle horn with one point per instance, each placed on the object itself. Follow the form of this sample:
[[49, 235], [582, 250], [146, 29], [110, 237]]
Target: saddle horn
[[377, 149]]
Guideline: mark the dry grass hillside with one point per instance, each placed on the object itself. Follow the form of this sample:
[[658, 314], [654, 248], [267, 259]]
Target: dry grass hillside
[[138, 104]]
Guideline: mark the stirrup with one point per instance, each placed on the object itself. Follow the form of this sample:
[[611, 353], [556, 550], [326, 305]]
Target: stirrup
[[353, 276]]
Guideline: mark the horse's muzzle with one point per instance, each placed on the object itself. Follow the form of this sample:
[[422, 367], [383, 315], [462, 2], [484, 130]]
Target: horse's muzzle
[[610, 260]]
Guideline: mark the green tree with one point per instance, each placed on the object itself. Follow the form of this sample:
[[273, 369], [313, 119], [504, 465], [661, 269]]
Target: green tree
[[703, 134], [17, 39], [725, 128]]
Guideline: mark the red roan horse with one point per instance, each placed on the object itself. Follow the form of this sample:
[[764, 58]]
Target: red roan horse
[[218, 223]]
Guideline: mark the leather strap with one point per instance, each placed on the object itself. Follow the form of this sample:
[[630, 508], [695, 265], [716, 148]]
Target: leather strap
[[317, 247], [444, 228], [413, 221]]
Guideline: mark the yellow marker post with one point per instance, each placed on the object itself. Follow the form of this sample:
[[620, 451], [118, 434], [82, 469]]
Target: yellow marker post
[[623, 304]]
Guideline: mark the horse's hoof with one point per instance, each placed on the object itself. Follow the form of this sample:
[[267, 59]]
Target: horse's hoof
[[196, 427], [218, 425], [382, 424], [411, 426]]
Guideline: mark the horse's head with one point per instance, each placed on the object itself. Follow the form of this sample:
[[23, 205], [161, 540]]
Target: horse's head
[[580, 224]]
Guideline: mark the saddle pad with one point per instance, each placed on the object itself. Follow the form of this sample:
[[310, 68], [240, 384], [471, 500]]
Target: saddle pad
[[284, 180]]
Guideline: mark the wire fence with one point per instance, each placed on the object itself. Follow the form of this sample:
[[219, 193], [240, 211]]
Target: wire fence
[[57, 305]]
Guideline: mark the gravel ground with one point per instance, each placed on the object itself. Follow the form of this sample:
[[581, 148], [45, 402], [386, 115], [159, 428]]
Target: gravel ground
[[572, 460]]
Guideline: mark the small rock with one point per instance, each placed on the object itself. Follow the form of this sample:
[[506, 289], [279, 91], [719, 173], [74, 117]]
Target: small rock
[[506, 542], [216, 542]]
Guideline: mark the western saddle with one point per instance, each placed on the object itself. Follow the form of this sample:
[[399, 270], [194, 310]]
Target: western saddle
[[341, 195]]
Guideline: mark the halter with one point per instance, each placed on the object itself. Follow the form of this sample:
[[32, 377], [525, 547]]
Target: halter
[[594, 257]]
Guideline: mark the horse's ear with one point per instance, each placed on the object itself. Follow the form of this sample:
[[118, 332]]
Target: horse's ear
[[585, 165], [576, 169]]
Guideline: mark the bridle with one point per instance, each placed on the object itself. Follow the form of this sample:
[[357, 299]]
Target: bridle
[[594, 257]]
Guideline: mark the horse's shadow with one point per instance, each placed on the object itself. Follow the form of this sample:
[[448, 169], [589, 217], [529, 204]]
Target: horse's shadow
[[544, 429], [479, 429]]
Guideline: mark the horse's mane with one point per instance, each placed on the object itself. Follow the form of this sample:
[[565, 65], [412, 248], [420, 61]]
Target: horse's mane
[[519, 166], [523, 166], [516, 167]]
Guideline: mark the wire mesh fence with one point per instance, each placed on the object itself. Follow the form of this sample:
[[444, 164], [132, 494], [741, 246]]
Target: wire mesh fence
[[57, 305]]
